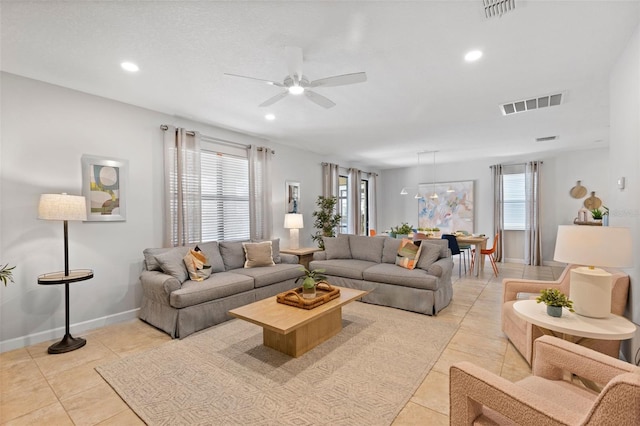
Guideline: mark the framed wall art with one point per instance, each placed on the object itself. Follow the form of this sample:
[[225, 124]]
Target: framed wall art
[[292, 197], [104, 185], [453, 209]]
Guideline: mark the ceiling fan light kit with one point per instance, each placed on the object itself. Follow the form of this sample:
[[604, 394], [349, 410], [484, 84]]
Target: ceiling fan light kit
[[296, 83]]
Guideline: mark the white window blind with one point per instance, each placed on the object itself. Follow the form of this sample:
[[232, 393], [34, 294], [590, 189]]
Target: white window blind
[[514, 201], [225, 196]]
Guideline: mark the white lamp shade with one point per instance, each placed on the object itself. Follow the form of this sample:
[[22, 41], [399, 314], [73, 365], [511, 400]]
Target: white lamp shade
[[603, 246], [293, 221], [62, 207]]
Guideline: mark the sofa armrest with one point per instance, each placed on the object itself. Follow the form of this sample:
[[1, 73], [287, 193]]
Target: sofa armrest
[[288, 258], [158, 286], [472, 387], [552, 356], [512, 286], [320, 255], [440, 267]]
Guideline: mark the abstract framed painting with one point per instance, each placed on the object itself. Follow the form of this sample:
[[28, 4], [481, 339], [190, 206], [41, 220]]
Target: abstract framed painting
[[104, 185], [451, 211]]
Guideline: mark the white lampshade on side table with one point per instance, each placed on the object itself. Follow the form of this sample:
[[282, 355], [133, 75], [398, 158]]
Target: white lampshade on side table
[[293, 222], [603, 246]]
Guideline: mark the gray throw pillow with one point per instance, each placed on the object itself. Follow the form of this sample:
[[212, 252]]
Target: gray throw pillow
[[150, 258], [366, 248], [337, 247], [172, 263], [390, 249], [275, 248], [428, 255], [232, 254], [212, 251]]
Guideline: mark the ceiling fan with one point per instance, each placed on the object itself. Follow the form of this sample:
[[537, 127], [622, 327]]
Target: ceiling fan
[[296, 83]]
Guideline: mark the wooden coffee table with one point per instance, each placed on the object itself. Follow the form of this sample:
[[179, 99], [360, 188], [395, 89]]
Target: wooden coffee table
[[292, 330]]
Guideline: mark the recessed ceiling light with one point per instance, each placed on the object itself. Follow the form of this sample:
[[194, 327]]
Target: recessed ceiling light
[[296, 90], [270, 117], [474, 55], [129, 66]]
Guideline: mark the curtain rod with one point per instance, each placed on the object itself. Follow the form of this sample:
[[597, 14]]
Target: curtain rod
[[211, 138], [361, 171], [516, 164]]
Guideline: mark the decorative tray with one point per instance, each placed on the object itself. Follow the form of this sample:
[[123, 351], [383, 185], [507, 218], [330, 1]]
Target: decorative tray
[[324, 293]]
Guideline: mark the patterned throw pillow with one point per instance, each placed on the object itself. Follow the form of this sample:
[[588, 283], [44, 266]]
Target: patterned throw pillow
[[408, 254], [197, 264]]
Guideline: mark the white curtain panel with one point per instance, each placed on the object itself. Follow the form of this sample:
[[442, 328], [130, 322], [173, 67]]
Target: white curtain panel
[[498, 209], [353, 201], [261, 211], [183, 212], [373, 204], [330, 179], [532, 237]]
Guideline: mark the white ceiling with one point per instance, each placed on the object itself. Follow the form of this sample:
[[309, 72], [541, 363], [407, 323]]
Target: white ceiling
[[420, 94]]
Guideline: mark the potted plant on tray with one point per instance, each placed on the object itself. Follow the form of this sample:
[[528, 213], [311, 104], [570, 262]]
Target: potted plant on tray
[[555, 301], [309, 281]]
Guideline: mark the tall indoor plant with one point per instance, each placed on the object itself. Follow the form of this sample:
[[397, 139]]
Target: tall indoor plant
[[326, 219]]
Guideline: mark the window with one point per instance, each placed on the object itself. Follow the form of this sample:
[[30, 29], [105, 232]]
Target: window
[[225, 195], [364, 207], [514, 201], [343, 202]]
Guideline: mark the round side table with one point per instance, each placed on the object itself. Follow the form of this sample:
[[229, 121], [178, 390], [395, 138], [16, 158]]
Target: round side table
[[68, 342]]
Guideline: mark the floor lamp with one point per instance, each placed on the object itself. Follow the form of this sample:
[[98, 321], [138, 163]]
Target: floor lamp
[[293, 222], [65, 208], [605, 246]]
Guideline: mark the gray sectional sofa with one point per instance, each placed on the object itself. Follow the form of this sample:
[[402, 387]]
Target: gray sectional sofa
[[180, 306], [369, 263]]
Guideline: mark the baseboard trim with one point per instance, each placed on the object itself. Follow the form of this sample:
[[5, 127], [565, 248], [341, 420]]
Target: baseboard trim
[[76, 330]]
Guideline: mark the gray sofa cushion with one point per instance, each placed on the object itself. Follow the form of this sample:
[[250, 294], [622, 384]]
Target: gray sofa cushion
[[392, 274], [217, 286], [443, 244], [337, 247], [150, 258], [366, 248], [275, 249], [172, 262], [429, 253], [232, 254], [390, 250], [267, 275], [212, 251], [347, 268]]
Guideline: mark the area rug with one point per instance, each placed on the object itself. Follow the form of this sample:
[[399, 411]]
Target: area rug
[[224, 375]]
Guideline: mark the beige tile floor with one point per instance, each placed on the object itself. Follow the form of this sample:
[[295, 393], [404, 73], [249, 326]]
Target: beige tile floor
[[37, 388]]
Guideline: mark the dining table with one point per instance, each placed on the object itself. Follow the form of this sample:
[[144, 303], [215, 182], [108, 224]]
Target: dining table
[[479, 243]]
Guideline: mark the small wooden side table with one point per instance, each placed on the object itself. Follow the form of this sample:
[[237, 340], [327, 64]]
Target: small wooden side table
[[305, 254], [68, 342]]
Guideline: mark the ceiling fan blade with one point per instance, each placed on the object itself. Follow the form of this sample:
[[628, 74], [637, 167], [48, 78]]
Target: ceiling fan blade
[[274, 99], [319, 99], [340, 80], [294, 62], [272, 83]]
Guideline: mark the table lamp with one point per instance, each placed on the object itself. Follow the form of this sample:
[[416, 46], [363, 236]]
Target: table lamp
[[605, 246], [65, 208], [293, 222]]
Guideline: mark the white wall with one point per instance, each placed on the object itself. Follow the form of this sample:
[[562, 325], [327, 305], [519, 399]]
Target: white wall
[[45, 131], [559, 175], [625, 161]]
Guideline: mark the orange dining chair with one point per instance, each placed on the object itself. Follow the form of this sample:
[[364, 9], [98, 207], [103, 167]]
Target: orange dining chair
[[488, 252], [372, 232]]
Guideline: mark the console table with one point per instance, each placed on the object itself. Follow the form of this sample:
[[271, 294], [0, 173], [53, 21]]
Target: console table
[[68, 342], [304, 254]]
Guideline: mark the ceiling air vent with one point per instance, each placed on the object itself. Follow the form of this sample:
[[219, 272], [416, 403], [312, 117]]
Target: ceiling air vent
[[531, 104], [494, 8], [546, 139]]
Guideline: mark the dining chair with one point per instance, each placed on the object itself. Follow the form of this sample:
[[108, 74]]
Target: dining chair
[[465, 248], [487, 252], [455, 249], [372, 232]]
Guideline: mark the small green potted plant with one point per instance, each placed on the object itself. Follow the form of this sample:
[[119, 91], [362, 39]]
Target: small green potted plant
[[309, 281], [596, 214], [403, 230], [6, 274], [555, 301]]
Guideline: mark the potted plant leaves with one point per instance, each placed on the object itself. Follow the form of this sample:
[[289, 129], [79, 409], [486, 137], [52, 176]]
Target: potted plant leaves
[[309, 281], [555, 301], [6, 274], [326, 219], [596, 214], [403, 230]]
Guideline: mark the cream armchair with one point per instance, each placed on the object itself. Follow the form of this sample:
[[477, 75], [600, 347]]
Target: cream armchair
[[522, 334], [479, 397]]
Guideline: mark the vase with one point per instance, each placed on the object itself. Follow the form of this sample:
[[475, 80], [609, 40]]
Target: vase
[[605, 220], [554, 311], [309, 292]]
